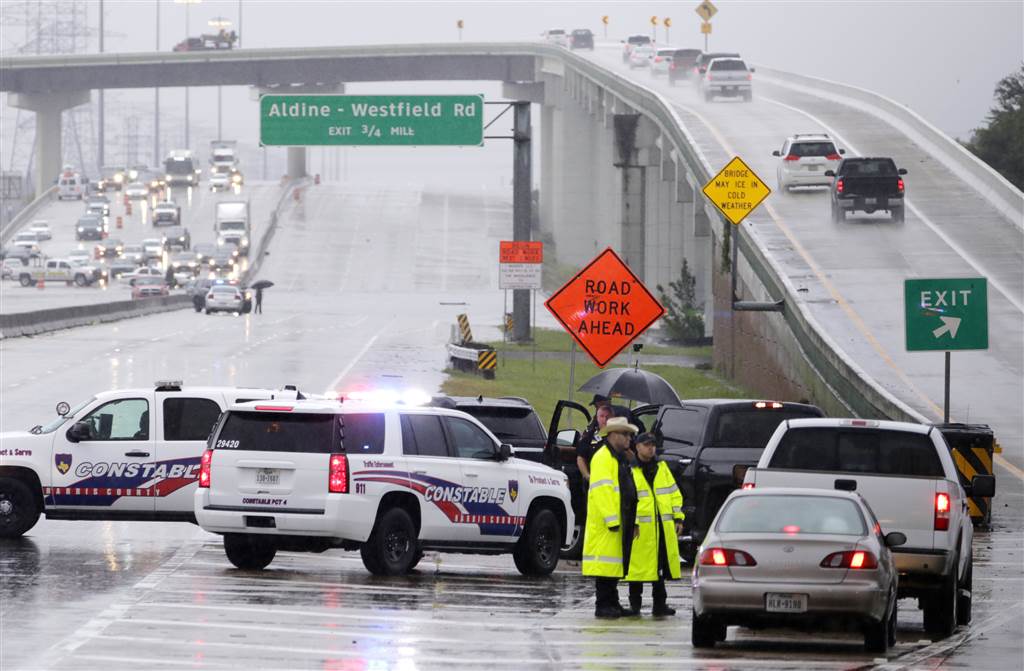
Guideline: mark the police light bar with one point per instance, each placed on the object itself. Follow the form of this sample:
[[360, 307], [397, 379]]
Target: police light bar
[[169, 385]]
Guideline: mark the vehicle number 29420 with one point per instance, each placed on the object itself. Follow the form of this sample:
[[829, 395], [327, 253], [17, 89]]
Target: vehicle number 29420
[[227, 443]]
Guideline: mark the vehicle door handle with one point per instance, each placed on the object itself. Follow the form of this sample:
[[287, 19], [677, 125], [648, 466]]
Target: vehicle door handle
[[419, 472], [136, 454], [470, 474]]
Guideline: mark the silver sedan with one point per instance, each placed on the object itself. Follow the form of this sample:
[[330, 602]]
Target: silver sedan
[[803, 558]]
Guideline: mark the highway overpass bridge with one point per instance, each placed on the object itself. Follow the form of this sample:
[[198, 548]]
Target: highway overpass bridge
[[623, 157]]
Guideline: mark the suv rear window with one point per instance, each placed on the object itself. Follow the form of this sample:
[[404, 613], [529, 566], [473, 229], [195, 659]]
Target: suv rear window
[[279, 432], [639, 39], [842, 450], [792, 515], [508, 423], [728, 65], [869, 168], [751, 427], [812, 149]]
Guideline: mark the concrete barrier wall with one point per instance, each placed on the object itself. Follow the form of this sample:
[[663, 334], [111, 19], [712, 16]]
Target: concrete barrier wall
[[990, 184], [26, 214]]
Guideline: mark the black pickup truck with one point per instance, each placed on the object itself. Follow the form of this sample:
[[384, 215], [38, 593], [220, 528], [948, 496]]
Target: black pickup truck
[[867, 185]]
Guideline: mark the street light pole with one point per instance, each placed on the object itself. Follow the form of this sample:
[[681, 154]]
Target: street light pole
[[99, 135], [156, 99]]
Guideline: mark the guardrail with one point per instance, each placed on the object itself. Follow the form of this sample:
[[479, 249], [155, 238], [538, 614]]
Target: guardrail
[[53, 319], [26, 214], [986, 181]]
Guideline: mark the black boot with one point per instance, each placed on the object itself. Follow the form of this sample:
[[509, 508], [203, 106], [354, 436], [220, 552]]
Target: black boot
[[661, 607], [636, 592]]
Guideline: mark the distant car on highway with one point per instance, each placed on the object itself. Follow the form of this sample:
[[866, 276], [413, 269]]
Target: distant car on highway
[[220, 181], [804, 159], [683, 64], [641, 56], [145, 272], [581, 38], [177, 237], [867, 184], [224, 298], [149, 287], [700, 65], [99, 203], [11, 266], [112, 177], [631, 43], [41, 228], [153, 248], [137, 191], [134, 253], [29, 241], [167, 214], [223, 260], [203, 251], [79, 255], [556, 36], [661, 61], [90, 227], [22, 254], [727, 77], [186, 261], [119, 267], [109, 248], [811, 558], [71, 185]]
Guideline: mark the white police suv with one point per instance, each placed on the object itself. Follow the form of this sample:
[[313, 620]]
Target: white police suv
[[390, 480], [126, 454]]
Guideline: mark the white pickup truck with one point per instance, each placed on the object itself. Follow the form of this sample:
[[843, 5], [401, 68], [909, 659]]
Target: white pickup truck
[[126, 454], [907, 476], [60, 270]]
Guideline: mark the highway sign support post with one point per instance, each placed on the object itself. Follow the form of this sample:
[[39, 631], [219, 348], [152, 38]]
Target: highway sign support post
[[522, 202], [942, 315]]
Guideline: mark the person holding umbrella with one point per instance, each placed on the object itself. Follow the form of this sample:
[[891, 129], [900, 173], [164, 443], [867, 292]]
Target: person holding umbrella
[[611, 511], [654, 556], [258, 287]]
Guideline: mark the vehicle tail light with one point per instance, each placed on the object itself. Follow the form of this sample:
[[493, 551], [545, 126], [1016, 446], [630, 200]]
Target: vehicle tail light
[[672, 66], [850, 559], [338, 480], [209, 296], [899, 184], [275, 408], [839, 186], [763, 405], [657, 59], [204, 469], [791, 157], [832, 157], [942, 506], [750, 77], [748, 485], [726, 557]]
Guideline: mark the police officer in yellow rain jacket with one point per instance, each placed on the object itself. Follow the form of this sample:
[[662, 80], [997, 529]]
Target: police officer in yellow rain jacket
[[659, 519], [611, 508]]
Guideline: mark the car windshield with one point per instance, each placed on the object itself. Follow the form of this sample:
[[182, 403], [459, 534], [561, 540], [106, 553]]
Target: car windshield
[[849, 450], [812, 149], [232, 225], [791, 515], [56, 423], [147, 281]]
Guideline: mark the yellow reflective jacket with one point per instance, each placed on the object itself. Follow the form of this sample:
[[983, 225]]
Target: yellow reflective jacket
[[657, 510], [602, 540]]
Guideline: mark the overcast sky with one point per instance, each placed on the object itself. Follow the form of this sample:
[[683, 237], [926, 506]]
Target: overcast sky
[[941, 58]]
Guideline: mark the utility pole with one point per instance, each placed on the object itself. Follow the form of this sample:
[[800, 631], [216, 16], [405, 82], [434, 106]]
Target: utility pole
[[522, 204], [239, 24], [99, 135], [156, 100]]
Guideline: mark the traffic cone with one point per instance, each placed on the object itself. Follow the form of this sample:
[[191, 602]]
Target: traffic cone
[[120, 221], [316, 178], [128, 207], [41, 284]]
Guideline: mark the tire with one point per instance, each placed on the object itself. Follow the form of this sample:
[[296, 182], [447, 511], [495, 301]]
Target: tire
[[207, 310], [197, 308], [704, 632], [249, 552], [941, 610], [25, 280], [899, 215], [575, 550], [536, 553], [19, 508], [964, 594], [391, 548], [80, 280], [878, 635], [894, 623]]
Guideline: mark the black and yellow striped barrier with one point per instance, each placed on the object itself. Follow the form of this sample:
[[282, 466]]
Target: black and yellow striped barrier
[[972, 446], [470, 356], [487, 361], [464, 331]]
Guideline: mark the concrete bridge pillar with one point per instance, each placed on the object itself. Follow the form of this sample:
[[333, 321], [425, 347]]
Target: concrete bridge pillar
[[635, 142], [698, 249], [48, 108]]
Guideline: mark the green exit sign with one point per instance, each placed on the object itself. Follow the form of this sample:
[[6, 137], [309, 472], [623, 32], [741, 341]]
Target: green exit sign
[[306, 120], [946, 314]]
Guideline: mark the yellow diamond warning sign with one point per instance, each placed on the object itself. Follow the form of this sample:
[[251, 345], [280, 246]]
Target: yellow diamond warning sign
[[736, 190]]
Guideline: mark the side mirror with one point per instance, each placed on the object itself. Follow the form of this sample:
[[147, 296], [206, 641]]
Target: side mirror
[[842, 151], [567, 438], [739, 474], [504, 452], [776, 153], [983, 486], [78, 432], [895, 539], [830, 173], [753, 70], [902, 171]]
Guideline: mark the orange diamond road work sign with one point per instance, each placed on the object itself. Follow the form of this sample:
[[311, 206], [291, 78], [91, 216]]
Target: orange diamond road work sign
[[521, 252], [736, 190], [605, 307]]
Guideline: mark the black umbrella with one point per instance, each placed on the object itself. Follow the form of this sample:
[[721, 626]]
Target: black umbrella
[[262, 284], [634, 384]]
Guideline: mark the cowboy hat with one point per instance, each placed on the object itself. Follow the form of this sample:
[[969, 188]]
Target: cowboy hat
[[618, 425]]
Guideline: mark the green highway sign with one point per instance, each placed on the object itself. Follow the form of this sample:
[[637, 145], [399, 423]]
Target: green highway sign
[[946, 314], [392, 120]]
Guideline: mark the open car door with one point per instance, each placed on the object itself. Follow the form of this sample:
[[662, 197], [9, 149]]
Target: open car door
[[564, 433]]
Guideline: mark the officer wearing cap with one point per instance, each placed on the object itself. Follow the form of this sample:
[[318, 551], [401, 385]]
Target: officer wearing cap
[[587, 445], [611, 509], [659, 522]]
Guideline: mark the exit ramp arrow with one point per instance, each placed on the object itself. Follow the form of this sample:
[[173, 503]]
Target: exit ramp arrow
[[950, 325]]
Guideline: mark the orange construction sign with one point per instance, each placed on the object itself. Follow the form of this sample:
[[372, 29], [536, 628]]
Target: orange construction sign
[[605, 307], [521, 252]]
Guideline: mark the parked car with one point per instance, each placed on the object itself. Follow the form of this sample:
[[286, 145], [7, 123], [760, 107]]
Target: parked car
[[59, 270], [700, 65], [42, 229], [810, 558], [167, 214], [804, 159], [511, 419], [224, 298], [867, 184]]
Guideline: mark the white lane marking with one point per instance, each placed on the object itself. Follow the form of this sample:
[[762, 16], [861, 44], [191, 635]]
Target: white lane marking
[[174, 663], [333, 386], [961, 252]]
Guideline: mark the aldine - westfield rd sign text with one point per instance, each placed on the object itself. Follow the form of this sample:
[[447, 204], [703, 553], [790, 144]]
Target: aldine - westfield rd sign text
[[303, 120]]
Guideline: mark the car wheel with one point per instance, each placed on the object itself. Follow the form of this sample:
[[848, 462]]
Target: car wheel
[[898, 215], [575, 549], [25, 280], [80, 280], [536, 553], [19, 508], [249, 551], [894, 621], [940, 610], [876, 634], [391, 548], [964, 594], [207, 310], [705, 632]]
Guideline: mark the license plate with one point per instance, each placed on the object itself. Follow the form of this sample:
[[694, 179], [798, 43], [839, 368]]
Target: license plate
[[268, 476], [812, 168], [869, 201], [785, 603]]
